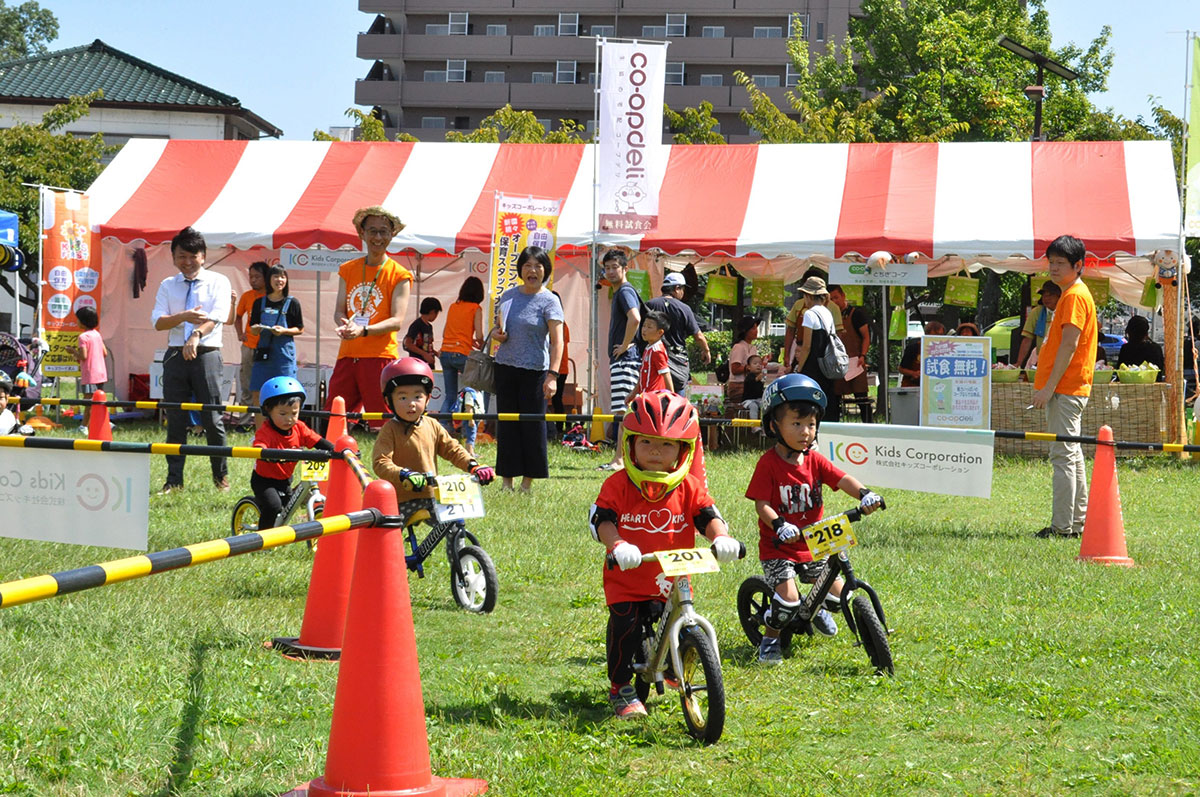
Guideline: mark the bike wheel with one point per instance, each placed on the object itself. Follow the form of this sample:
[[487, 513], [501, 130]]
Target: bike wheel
[[640, 682], [475, 590], [245, 515], [873, 635], [701, 687], [754, 598]]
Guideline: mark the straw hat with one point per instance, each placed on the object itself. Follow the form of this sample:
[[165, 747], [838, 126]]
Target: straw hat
[[361, 215], [814, 286]]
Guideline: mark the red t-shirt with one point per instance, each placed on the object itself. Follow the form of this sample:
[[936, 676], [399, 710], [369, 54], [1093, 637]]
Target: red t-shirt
[[794, 492], [660, 526], [654, 365], [267, 436]]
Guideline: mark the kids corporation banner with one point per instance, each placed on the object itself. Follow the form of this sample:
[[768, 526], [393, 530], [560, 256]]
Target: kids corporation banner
[[87, 498], [70, 279], [629, 151], [521, 221], [927, 460]]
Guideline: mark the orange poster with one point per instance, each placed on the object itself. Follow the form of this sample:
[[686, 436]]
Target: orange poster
[[70, 276]]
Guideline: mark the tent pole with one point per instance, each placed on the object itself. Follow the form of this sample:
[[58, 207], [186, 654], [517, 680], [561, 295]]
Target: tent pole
[[882, 390], [593, 316]]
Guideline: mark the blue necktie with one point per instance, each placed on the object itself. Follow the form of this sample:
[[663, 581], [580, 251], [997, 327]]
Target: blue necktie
[[187, 327]]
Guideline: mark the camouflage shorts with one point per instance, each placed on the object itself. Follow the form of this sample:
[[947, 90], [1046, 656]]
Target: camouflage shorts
[[777, 571]]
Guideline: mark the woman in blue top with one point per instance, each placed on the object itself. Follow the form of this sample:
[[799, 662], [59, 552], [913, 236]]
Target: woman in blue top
[[277, 319], [528, 327]]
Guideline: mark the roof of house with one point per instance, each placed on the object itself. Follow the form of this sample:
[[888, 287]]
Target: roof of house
[[126, 80]]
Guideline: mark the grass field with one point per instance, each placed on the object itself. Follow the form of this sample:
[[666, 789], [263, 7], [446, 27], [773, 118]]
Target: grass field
[[1018, 670]]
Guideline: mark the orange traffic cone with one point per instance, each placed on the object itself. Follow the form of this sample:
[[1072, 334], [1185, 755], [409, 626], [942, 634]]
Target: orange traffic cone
[[1104, 529], [333, 565], [337, 419], [377, 743], [99, 427]]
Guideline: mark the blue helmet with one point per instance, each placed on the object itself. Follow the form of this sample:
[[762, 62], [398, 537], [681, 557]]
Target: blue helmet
[[790, 387], [280, 386]]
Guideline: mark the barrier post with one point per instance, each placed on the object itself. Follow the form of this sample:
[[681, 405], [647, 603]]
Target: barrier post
[[333, 565], [378, 743]]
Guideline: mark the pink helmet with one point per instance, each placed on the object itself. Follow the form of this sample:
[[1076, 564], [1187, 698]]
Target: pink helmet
[[405, 371]]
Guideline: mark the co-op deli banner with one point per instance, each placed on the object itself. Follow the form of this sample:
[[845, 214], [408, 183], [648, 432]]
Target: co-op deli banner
[[521, 221], [629, 150], [927, 460], [70, 279]]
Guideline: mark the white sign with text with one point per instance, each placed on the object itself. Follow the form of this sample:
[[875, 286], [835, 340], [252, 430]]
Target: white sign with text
[[895, 274], [316, 259], [927, 460], [81, 497]]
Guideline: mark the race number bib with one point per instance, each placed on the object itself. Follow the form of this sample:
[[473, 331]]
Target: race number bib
[[687, 560], [314, 471], [458, 498], [831, 535]]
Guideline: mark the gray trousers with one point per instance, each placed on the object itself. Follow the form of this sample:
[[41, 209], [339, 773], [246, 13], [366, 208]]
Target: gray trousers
[[193, 380], [1063, 416]]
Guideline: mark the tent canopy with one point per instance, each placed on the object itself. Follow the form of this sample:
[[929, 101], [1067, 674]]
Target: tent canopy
[[973, 200]]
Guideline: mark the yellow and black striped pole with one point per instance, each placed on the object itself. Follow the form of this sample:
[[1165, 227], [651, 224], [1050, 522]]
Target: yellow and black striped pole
[[170, 449], [28, 590], [1046, 437]]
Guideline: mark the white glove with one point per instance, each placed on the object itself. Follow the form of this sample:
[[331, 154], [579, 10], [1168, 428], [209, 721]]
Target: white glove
[[726, 548], [870, 500], [627, 555], [787, 532]]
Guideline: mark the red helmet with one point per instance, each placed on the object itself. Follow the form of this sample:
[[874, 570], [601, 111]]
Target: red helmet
[[668, 416], [405, 371]]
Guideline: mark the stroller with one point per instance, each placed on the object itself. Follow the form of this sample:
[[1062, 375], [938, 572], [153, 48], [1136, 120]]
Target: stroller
[[27, 377]]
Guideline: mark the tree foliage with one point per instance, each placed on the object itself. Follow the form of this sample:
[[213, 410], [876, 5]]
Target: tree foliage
[[693, 125], [520, 127], [43, 154], [25, 30], [370, 128]]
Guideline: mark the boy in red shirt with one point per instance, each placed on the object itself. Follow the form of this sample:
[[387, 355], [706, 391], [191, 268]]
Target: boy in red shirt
[[654, 504], [786, 490], [656, 370], [281, 397]]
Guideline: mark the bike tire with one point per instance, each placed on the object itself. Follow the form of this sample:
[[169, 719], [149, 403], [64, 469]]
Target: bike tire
[[703, 701], [246, 516], [641, 683], [753, 600], [872, 634], [475, 591]]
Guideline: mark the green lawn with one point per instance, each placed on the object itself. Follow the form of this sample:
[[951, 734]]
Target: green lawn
[[1018, 670]]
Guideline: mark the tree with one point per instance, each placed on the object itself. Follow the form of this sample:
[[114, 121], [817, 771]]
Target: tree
[[40, 153], [520, 127], [370, 128], [693, 125], [25, 30]]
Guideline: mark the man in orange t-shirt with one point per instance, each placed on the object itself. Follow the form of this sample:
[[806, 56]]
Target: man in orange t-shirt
[[371, 303], [257, 274], [1066, 364]]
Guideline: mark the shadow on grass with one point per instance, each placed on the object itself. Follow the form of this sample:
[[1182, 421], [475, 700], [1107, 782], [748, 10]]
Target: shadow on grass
[[576, 708], [586, 661]]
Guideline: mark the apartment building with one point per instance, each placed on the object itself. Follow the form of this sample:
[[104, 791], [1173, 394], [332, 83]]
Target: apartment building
[[438, 65]]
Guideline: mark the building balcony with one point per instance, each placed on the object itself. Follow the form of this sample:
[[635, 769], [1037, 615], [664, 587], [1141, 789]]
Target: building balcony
[[555, 6], [693, 6], [700, 51], [554, 48], [680, 97], [439, 48], [376, 92], [380, 46], [395, 7], [450, 95], [747, 50], [555, 96]]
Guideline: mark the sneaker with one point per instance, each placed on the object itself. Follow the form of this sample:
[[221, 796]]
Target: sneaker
[[167, 489], [824, 624], [625, 703], [770, 651], [1052, 533], [221, 484]]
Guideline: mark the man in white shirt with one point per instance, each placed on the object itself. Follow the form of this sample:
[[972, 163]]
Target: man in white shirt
[[192, 306]]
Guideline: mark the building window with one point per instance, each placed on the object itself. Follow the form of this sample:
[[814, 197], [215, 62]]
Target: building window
[[458, 23], [654, 31], [456, 71], [462, 123], [493, 77], [604, 30], [545, 123], [791, 76], [676, 25], [564, 72], [497, 30], [798, 19], [543, 30], [766, 81], [767, 32], [435, 76], [437, 30], [674, 73], [568, 24], [591, 78], [712, 80], [712, 32], [543, 77], [820, 31], [433, 122]]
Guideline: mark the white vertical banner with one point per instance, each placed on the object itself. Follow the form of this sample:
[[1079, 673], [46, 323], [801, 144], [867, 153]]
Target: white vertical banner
[[630, 150]]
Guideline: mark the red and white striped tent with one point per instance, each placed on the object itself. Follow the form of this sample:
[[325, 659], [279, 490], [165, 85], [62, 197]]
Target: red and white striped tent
[[974, 200], [775, 208]]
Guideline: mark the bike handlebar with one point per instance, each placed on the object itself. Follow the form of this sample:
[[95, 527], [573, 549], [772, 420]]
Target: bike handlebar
[[431, 479], [610, 562]]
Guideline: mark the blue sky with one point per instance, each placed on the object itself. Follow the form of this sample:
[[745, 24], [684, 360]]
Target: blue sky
[[293, 62]]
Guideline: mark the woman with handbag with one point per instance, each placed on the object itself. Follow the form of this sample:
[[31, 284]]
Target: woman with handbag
[[463, 334], [816, 330], [277, 320], [528, 327]]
